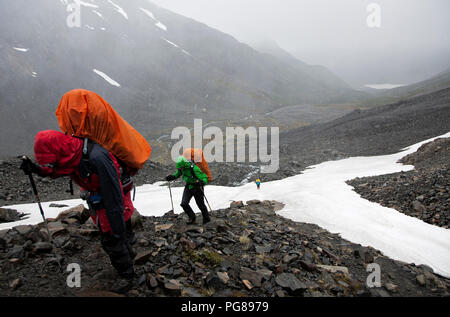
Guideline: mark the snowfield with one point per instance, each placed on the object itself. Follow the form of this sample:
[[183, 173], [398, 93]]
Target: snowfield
[[319, 196]]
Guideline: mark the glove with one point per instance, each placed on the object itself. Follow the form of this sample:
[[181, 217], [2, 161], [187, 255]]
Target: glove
[[170, 178], [29, 167]]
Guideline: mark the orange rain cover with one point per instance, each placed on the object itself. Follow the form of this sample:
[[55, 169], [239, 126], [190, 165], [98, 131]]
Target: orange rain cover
[[85, 114], [196, 155]]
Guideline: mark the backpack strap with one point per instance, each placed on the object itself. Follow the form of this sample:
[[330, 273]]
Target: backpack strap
[[85, 166], [192, 170]]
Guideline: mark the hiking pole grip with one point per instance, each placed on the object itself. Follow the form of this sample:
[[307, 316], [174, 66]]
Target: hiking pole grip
[[36, 196]]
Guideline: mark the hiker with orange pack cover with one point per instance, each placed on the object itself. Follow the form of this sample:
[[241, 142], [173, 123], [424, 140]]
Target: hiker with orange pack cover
[[195, 179], [100, 152]]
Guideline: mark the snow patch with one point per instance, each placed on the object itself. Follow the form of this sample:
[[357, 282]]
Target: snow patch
[[98, 13], [171, 43], [107, 78], [384, 86], [161, 26], [119, 9], [90, 27], [21, 49], [148, 13], [86, 4]]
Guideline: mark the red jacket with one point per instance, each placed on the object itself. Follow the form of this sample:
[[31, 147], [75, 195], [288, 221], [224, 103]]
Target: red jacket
[[60, 155]]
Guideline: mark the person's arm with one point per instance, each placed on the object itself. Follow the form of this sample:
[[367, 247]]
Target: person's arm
[[177, 174], [110, 189]]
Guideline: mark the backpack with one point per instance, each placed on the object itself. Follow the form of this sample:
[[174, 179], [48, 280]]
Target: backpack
[[196, 156], [84, 114]]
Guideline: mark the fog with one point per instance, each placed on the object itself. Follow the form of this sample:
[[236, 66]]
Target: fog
[[411, 44]]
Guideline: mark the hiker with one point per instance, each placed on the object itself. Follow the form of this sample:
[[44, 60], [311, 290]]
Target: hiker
[[258, 183], [195, 180], [98, 174]]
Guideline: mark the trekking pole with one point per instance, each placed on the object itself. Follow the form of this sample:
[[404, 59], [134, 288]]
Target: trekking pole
[[203, 191], [36, 196], [171, 200]]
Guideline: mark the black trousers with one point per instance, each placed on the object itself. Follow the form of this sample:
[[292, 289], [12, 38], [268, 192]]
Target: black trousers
[[120, 251], [197, 193]]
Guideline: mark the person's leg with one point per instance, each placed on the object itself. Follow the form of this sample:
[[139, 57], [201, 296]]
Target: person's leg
[[187, 195], [119, 254], [200, 200]]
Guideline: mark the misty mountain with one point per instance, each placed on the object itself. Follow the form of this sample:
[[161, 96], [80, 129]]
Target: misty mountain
[[318, 72], [438, 82], [156, 68]]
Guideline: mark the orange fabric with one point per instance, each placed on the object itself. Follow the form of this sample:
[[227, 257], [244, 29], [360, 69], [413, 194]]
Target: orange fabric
[[196, 155], [85, 114]]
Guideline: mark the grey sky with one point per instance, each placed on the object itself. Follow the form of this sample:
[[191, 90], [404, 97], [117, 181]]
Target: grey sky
[[412, 44]]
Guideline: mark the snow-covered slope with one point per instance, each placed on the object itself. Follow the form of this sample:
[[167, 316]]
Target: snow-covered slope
[[320, 196]]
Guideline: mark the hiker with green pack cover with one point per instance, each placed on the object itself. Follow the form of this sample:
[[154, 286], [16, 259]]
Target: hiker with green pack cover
[[195, 180]]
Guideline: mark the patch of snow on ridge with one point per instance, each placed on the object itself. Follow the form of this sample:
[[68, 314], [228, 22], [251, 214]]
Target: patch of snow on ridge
[[148, 13], [119, 9], [21, 49], [107, 78], [171, 43], [86, 4], [161, 26], [98, 13]]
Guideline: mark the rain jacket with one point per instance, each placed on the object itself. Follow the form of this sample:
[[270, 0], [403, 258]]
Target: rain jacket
[[60, 155], [184, 169]]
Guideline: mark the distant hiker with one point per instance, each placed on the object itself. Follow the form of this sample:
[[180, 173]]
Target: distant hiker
[[258, 183], [98, 174], [195, 180]]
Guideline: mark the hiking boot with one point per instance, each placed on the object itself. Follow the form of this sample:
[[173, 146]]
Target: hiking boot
[[191, 221], [206, 220]]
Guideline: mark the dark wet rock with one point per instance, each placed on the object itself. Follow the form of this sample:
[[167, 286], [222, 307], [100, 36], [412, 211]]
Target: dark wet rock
[[289, 282], [10, 215], [17, 252], [173, 287], [237, 204], [53, 205], [14, 284], [217, 280], [23, 229], [253, 276], [142, 257], [42, 247]]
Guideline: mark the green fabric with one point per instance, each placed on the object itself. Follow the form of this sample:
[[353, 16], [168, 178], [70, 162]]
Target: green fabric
[[188, 177]]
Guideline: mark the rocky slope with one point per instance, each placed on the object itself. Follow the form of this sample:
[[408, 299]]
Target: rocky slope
[[247, 250], [423, 193]]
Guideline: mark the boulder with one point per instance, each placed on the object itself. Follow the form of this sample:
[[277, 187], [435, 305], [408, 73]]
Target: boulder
[[237, 204], [142, 257], [290, 283]]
